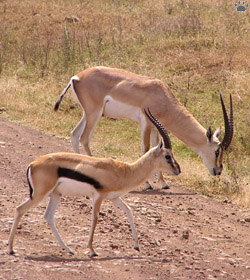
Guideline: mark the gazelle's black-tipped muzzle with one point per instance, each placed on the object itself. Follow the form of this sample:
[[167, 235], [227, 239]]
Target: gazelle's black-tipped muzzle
[[217, 171], [177, 169]]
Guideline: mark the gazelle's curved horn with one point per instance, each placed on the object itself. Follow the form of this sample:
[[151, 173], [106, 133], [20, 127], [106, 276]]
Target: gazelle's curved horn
[[229, 125], [161, 129]]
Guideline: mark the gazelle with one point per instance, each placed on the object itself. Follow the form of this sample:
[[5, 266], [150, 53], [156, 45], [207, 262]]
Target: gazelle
[[60, 174], [116, 93]]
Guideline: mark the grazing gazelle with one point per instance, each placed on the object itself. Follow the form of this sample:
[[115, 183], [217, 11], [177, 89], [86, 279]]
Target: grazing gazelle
[[70, 174], [116, 93]]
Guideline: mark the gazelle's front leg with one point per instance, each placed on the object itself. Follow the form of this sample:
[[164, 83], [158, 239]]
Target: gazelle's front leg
[[97, 200], [145, 144], [154, 137], [118, 202]]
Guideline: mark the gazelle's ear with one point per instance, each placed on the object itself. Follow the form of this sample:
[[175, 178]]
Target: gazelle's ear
[[209, 134], [158, 149], [217, 132]]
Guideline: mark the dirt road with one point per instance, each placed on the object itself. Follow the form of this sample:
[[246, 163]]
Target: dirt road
[[182, 235]]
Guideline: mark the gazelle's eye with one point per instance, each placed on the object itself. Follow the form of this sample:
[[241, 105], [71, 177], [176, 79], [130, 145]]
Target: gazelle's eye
[[168, 158], [217, 152]]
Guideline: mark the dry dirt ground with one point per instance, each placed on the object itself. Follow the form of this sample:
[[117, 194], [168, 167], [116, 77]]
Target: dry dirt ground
[[182, 235]]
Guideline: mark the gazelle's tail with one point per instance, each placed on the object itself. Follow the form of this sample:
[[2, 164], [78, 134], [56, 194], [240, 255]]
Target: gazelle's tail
[[70, 84], [61, 96]]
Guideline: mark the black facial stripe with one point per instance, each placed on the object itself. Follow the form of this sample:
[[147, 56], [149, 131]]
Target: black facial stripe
[[170, 160], [75, 175], [217, 153]]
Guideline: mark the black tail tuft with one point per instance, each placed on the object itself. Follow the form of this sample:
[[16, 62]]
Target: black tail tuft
[[30, 186], [57, 105], [61, 97]]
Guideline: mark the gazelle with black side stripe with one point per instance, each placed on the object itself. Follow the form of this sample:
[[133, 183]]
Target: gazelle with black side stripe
[[69, 174], [116, 93]]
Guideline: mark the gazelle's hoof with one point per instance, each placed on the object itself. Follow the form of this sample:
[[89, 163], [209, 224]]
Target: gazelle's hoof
[[92, 255], [166, 187], [149, 187], [11, 252], [137, 248], [68, 251]]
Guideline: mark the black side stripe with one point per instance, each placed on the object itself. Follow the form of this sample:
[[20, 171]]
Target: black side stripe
[[75, 175]]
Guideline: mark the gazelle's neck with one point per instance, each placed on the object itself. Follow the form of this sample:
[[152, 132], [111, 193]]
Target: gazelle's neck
[[185, 127], [142, 169]]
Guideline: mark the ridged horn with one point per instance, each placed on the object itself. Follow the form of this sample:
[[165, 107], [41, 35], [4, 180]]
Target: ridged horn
[[229, 125], [161, 129]]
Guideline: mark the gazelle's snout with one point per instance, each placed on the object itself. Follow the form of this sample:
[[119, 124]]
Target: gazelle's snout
[[177, 169], [217, 171]]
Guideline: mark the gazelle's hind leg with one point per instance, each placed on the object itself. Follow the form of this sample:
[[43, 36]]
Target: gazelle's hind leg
[[92, 118], [154, 136], [49, 216], [76, 134], [20, 211]]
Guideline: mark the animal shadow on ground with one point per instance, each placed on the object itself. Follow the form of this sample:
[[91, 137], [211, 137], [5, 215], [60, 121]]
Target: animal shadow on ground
[[53, 258], [161, 192]]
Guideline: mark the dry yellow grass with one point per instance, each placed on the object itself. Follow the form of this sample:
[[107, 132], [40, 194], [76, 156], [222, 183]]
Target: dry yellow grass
[[197, 48]]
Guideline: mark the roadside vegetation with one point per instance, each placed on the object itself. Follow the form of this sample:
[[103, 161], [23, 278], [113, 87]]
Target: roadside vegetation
[[197, 48]]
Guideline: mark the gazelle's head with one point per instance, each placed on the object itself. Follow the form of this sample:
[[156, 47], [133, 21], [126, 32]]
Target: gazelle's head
[[163, 152], [212, 155]]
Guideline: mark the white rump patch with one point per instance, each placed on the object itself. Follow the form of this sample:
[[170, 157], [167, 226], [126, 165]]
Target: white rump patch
[[74, 78]]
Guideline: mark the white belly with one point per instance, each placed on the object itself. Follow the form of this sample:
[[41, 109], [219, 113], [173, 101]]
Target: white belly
[[69, 187], [117, 110]]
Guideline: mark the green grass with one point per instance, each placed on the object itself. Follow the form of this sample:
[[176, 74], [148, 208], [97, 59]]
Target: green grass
[[197, 48]]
